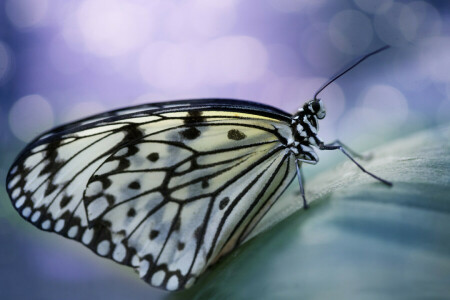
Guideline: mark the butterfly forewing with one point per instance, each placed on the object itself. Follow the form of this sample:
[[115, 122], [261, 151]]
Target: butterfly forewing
[[166, 191]]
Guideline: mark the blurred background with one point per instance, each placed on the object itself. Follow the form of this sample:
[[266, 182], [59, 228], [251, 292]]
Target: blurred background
[[62, 60]]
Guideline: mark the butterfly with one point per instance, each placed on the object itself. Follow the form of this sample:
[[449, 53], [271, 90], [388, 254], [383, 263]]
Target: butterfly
[[167, 188]]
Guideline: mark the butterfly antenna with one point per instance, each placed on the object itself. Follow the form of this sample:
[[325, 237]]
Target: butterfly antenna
[[349, 68]]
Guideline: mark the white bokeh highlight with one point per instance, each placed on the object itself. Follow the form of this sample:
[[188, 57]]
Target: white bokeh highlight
[[380, 110], [319, 52], [63, 59], [435, 58], [113, 27], [405, 23], [283, 60], [296, 6], [372, 6], [407, 71], [83, 109], [26, 13], [30, 116], [233, 59], [186, 21], [6, 61], [222, 61], [175, 66], [388, 102], [387, 24], [343, 34], [427, 18]]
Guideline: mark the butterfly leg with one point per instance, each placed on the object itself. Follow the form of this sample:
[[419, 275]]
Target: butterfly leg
[[301, 182], [339, 146], [350, 151]]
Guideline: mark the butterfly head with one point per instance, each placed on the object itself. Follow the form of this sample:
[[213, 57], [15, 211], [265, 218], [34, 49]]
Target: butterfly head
[[315, 107]]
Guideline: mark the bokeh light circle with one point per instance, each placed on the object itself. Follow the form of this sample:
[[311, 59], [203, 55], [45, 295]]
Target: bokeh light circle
[[6, 61], [293, 6], [181, 66], [372, 6], [359, 123], [435, 58], [407, 71], [403, 23], [382, 108], [63, 59], [171, 65], [283, 60], [112, 27], [186, 21], [30, 116], [388, 102], [397, 25], [345, 37], [319, 51], [26, 13], [232, 59], [82, 110], [429, 22]]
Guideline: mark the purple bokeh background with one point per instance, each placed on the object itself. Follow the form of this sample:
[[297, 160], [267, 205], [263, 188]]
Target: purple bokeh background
[[62, 60]]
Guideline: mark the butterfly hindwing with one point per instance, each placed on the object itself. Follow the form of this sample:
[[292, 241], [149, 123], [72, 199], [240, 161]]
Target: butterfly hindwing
[[167, 191], [175, 201]]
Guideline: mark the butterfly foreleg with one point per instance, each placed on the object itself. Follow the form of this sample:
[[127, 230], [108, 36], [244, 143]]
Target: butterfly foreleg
[[350, 151], [301, 183], [337, 145]]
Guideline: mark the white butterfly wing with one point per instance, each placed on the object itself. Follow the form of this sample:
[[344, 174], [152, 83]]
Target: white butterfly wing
[[166, 193]]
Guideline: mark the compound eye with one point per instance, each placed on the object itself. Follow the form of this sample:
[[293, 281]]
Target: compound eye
[[315, 106]]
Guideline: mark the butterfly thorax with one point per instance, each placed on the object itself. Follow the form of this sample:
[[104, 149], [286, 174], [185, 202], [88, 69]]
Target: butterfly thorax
[[305, 127]]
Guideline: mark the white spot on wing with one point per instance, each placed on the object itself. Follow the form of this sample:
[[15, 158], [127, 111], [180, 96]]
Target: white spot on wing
[[135, 261], [59, 225], [103, 247], [20, 202], [13, 170], [173, 283], [13, 181], [87, 236], [122, 152], [158, 278], [143, 268], [26, 212], [46, 224], [15, 193], [43, 138], [35, 216], [40, 147], [119, 253], [72, 231]]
